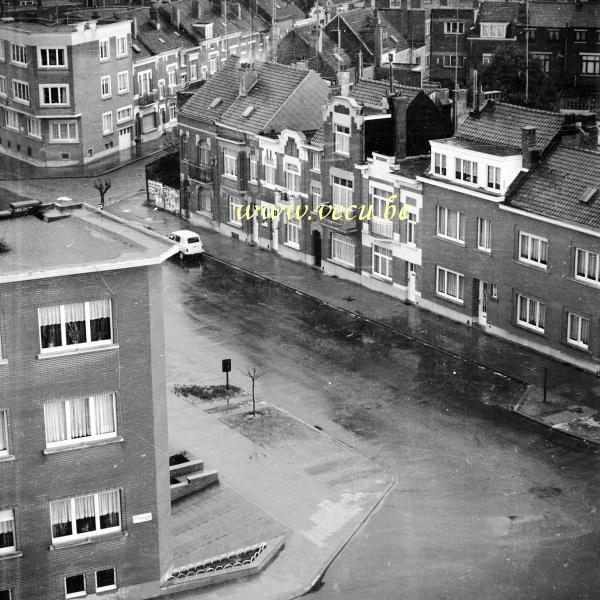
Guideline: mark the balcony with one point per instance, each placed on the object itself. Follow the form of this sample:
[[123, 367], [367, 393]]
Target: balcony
[[340, 222], [381, 228], [202, 173], [149, 98]]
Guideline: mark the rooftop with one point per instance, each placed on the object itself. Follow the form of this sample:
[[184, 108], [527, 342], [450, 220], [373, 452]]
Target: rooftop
[[75, 238], [372, 93], [564, 186]]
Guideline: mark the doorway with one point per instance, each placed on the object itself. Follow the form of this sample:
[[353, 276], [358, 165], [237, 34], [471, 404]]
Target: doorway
[[483, 302], [412, 283], [316, 248]]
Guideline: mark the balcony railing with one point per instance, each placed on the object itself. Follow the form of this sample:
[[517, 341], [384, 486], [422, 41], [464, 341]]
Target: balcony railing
[[203, 173], [382, 228], [341, 222], [149, 98]]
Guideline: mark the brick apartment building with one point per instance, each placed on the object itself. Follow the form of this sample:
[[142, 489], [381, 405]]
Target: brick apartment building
[[84, 501]]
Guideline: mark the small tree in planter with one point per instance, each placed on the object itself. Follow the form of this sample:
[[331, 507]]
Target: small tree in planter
[[102, 187], [253, 373]]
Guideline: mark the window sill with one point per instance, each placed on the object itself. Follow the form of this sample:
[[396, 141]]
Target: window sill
[[578, 346], [534, 265], [589, 282], [292, 245], [7, 458], [235, 224], [341, 263], [380, 277], [450, 299], [230, 177], [106, 590], [531, 328], [9, 555], [80, 446], [68, 352], [450, 240], [88, 540]]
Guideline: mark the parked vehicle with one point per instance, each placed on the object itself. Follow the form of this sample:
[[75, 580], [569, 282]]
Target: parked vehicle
[[189, 243]]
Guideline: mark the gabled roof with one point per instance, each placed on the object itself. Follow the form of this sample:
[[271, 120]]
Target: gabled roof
[[500, 124], [558, 14], [372, 93], [499, 12], [561, 184], [152, 41], [283, 10], [318, 138]]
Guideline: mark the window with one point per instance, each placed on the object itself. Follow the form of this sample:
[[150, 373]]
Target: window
[[450, 284], [533, 249], [342, 249], [145, 82], [411, 228], [123, 82], [121, 46], [543, 59], [451, 60], [230, 163], [74, 324], [75, 586], [193, 70], [18, 54], [1, 49], [85, 516], [587, 266], [454, 27], [2, 85], [64, 131], [54, 95], [292, 232], [316, 197], [292, 177], [253, 169], [34, 127], [342, 139], [483, 234], [212, 64], [450, 224], [439, 164], [486, 59], [531, 313], [12, 119], [105, 86], [553, 35], [233, 210], [52, 57], [342, 191], [493, 178], [466, 170], [107, 123], [382, 261], [580, 35], [171, 74], [80, 420], [104, 50], [20, 91], [493, 30], [494, 291], [269, 162], [106, 580], [578, 330], [590, 64], [7, 531], [3, 433], [530, 33], [124, 114], [316, 161]]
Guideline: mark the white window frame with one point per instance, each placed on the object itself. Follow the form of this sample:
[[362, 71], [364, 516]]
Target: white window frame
[[342, 139], [293, 181], [80, 594], [411, 227], [382, 261], [94, 435], [212, 63], [4, 430], [121, 40], [484, 233], [98, 532], [104, 50], [21, 51], [441, 281], [581, 339], [453, 61], [106, 86], [458, 26], [230, 164], [2, 56], [343, 250], [107, 119], [253, 169], [35, 131], [440, 162], [7, 515], [380, 225], [493, 30], [466, 171], [444, 228], [18, 87], [122, 75], [59, 124], [590, 64], [12, 119], [193, 64], [342, 193], [588, 263], [486, 58], [493, 177], [534, 310], [233, 212], [106, 588], [44, 52], [59, 86], [129, 117], [2, 85], [292, 233], [316, 162], [533, 249]]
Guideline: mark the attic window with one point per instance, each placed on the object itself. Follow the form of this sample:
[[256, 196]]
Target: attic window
[[161, 40], [394, 39], [136, 48], [176, 34], [215, 102], [248, 111], [588, 195]]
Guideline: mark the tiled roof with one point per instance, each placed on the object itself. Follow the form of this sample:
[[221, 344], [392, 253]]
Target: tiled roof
[[283, 10], [500, 124], [361, 21], [372, 93], [499, 12], [558, 185], [318, 139], [152, 41], [557, 14]]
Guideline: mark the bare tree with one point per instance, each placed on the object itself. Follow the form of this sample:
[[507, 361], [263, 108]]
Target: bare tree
[[253, 373], [102, 187]]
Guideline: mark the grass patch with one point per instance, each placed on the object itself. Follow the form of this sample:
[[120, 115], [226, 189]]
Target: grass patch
[[4, 247], [206, 393]]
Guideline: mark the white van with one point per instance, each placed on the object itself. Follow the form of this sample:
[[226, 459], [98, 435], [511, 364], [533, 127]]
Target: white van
[[189, 243]]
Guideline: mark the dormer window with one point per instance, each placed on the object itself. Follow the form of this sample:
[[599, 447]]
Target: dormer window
[[216, 101], [466, 170], [439, 164], [205, 29], [493, 30]]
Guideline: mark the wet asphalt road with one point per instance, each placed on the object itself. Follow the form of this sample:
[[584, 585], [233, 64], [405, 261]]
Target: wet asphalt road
[[487, 505]]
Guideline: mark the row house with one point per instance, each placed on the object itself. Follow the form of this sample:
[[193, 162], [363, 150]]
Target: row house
[[563, 37], [83, 436], [47, 75], [509, 232]]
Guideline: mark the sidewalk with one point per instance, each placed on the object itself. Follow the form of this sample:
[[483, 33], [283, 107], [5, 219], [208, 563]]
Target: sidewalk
[[568, 386]]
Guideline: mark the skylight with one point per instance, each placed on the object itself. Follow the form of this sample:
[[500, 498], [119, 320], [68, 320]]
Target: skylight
[[136, 48], [394, 39], [161, 40], [215, 102], [588, 194], [248, 111]]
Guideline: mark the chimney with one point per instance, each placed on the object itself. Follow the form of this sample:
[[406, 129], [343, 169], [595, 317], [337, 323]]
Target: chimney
[[359, 66], [378, 42], [319, 39], [175, 16], [460, 106], [247, 78], [391, 71], [344, 82], [154, 22], [531, 155], [239, 11], [197, 9], [399, 105], [134, 28], [475, 90], [216, 6]]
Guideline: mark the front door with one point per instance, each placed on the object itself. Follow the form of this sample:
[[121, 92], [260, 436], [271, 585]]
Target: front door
[[483, 300], [316, 247], [125, 138], [412, 283]]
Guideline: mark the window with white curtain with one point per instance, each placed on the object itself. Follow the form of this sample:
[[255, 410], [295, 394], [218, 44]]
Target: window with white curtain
[[7, 531], [85, 516], [450, 284], [80, 420], [3, 433], [75, 324]]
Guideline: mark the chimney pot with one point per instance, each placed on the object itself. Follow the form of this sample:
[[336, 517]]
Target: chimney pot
[[399, 105]]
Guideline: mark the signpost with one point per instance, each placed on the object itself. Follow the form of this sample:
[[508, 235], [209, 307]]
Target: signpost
[[226, 368]]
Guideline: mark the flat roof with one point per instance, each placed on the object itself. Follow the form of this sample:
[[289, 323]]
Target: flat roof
[[491, 149], [69, 238]]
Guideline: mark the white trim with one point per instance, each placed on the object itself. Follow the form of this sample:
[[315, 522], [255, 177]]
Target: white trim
[[456, 188]]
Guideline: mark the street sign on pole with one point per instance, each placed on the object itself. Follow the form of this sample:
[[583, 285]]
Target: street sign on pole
[[226, 368]]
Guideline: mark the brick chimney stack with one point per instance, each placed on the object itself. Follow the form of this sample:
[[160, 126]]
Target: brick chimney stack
[[399, 105], [531, 155], [247, 78]]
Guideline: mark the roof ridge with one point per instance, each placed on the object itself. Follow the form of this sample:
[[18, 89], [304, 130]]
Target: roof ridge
[[537, 110], [563, 146]]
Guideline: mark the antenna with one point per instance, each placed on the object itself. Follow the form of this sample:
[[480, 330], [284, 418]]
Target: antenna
[[527, 54], [456, 70]]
